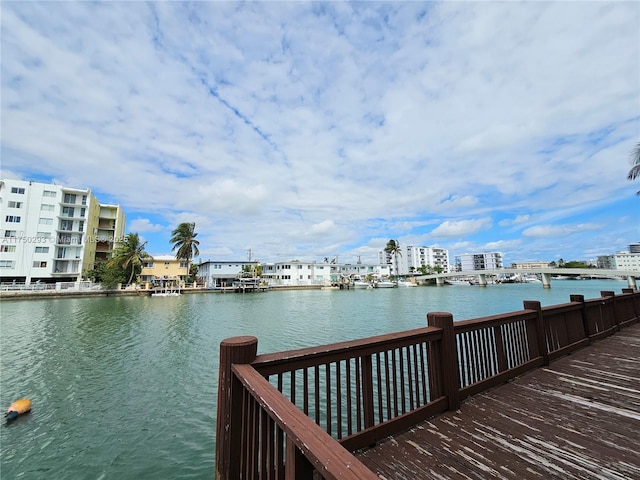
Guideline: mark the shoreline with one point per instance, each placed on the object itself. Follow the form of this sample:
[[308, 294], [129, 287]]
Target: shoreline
[[40, 294]]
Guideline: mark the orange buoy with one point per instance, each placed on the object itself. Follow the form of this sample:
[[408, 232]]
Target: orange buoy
[[18, 408]]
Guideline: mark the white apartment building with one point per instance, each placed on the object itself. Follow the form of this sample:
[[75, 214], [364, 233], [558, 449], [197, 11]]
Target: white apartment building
[[51, 233], [478, 261], [411, 258], [627, 261]]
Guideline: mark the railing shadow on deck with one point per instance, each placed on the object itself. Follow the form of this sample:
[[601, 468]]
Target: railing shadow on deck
[[301, 414]]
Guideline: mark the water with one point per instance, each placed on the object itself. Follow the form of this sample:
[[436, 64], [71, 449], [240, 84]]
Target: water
[[126, 387]]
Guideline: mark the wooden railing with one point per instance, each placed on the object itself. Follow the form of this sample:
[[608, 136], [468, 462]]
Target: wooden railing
[[300, 414]]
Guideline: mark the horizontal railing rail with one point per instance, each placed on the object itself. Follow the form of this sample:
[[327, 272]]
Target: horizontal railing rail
[[273, 407]]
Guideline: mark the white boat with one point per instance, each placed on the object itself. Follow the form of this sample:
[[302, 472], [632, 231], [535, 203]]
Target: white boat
[[361, 284], [385, 284], [452, 281], [406, 284], [166, 294], [532, 280]]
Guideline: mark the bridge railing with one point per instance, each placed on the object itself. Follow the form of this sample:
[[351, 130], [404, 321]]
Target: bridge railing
[[299, 414]]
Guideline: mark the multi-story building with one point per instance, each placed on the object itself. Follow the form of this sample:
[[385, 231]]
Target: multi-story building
[[52, 233], [411, 258], [629, 260], [159, 269], [478, 261]]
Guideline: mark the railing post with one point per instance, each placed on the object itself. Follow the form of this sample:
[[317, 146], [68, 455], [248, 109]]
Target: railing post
[[539, 332], [583, 312], [238, 350], [449, 373], [616, 316]]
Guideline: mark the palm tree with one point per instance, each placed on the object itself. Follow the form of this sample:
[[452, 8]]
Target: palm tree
[[184, 239], [129, 253], [635, 161], [393, 248]]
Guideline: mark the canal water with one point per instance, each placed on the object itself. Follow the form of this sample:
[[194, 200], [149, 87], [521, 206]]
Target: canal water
[[125, 387]]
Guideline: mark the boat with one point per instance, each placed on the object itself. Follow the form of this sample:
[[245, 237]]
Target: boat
[[406, 284], [452, 281], [167, 291], [361, 284], [166, 294], [385, 284]]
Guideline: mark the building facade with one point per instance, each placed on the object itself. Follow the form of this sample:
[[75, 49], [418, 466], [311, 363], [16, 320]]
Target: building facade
[[478, 261], [160, 269], [411, 258], [530, 265], [217, 274], [51, 233]]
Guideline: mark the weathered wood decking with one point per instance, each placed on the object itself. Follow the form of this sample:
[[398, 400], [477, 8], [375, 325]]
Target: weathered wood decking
[[576, 418], [551, 392]]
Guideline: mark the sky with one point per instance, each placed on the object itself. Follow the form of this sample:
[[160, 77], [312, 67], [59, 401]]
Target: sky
[[296, 130]]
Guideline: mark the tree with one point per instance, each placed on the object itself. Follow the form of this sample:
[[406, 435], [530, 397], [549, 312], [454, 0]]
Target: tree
[[183, 238], [129, 254], [393, 249], [635, 162]]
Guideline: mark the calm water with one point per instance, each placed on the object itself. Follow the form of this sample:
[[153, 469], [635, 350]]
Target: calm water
[[126, 387]]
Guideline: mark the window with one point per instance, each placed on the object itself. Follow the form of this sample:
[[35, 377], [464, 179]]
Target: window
[[17, 190], [46, 221], [66, 225], [49, 193], [7, 248], [67, 211], [15, 205], [69, 198], [43, 235], [10, 233], [42, 249], [46, 208], [81, 226], [6, 263], [183, 264], [12, 219], [84, 200], [82, 211], [38, 264]]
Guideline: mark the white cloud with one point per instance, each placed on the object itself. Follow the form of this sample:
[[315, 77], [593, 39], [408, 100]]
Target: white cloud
[[460, 228], [144, 225], [542, 231]]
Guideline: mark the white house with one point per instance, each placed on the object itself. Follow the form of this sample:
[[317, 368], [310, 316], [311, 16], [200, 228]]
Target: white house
[[217, 274]]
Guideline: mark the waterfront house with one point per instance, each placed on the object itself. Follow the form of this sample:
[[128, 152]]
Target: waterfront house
[[161, 270], [218, 274]]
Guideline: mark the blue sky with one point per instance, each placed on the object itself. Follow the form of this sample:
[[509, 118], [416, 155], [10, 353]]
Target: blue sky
[[310, 130]]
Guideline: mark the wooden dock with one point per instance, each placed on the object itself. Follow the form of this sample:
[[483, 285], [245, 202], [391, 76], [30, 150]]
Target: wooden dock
[[541, 393], [577, 418]]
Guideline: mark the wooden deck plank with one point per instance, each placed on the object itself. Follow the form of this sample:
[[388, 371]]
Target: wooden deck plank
[[578, 418]]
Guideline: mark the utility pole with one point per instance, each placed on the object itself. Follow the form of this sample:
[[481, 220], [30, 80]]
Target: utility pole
[[249, 253]]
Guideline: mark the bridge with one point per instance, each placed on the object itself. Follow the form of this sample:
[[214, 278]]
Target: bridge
[[546, 273]]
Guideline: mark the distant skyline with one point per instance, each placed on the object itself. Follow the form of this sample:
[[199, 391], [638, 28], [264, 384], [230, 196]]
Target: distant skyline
[[309, 130]]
